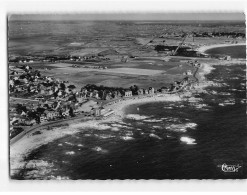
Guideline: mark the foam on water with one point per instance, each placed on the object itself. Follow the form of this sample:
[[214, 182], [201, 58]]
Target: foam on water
[[126, 138], [181, 127], [136, 117], [104, 136], [188, 140], [99, 149], [152, 120], [70, 153], [115, 129], [157, 127], [68, 143], [169, 107], [154, 136]]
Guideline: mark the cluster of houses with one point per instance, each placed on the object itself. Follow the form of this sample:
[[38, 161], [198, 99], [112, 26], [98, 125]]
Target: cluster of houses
[[90, 67], [51, 99], [207, 34]]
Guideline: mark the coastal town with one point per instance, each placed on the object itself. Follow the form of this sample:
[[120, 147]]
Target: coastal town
[[123, 99], [37, 99]]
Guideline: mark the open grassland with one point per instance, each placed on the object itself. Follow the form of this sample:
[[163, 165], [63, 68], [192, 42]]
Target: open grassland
[[136, 72]]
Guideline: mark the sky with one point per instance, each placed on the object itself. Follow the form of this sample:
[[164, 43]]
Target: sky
[[132, 16]]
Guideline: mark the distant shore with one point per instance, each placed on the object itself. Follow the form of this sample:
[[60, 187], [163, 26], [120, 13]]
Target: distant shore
[[204, 48]]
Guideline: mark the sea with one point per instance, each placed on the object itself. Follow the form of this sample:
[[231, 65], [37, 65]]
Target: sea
[[236, 51], [191, 139]]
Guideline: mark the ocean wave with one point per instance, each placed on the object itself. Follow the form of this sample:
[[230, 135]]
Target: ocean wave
[[104, 136], [136, 117], [80, 145], [123, 125], [234, 78], [199, 106], [129, 133], [171, 119], [92, 125], [87, 135], [188, 140], [224, 93], [52, 177], [38, 163], [168, 107], [154, 136], [68, 143], [115, 129], [99, 149], [157, 127], [70, 153], [243, 101], [227, 102], [193, 99], [126, 138], [152, 120], [181, 127]]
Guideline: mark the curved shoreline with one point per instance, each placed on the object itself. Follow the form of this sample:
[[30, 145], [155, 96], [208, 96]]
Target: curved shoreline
[[204, 48], [27, 144]]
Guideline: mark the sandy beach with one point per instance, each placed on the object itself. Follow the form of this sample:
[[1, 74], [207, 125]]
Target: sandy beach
[[207, 47], [23, 147]]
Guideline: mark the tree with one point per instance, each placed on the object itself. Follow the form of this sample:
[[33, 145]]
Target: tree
[[20, 108], [71, 112], [40, 110], [71, 87], [62, 86]]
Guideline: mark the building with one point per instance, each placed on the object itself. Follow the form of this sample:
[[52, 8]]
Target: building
[[127, 93], [151, 90], [97, 112], [140, 92], [164, 90], [228, 58], [52, 115], [189, 72]]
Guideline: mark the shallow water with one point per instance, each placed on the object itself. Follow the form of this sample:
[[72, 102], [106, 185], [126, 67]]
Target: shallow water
[[157, 143], [236, 51]]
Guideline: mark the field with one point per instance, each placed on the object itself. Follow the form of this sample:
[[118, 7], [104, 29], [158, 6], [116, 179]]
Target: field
[[128, 38], [137, 72]]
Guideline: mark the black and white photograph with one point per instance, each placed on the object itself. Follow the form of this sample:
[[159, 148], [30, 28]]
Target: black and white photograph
[[117, 96]]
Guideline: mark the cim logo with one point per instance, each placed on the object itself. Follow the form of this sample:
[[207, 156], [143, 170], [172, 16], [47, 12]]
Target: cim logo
[[230, 168]]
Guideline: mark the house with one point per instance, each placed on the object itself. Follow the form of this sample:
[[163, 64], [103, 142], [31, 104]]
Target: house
[[97, 112], [140, 92], [151, 90], [127, 93], [146, 91], [108, 96], [59, 93], [176, 83], [11, 82], [164, 89], [189, 72], [96, 95], [67, 90], [228, 58], [42, 118]]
